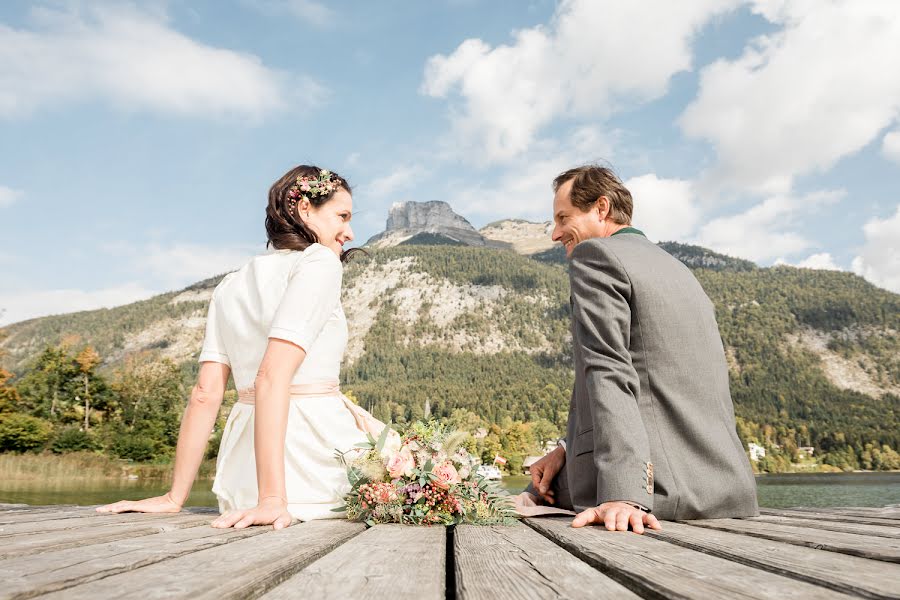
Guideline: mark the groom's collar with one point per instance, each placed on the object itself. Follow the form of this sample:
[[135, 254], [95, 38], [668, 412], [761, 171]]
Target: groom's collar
[[629, 230]]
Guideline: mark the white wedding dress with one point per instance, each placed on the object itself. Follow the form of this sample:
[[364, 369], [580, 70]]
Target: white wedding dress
[[293, 296]]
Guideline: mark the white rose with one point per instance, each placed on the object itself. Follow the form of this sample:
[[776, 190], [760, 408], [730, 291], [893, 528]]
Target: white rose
[[391, 445]]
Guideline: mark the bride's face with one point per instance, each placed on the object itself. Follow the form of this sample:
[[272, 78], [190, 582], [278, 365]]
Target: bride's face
[[331, 221]]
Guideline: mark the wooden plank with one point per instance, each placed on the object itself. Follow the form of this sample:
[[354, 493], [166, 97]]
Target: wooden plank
[[517, 563], [242, 569], [876, 548], [59, 540], [90, 520], [848, 574], [828, 516], [842, 527], [30, 576], [887, 512], [24, 515], [379, 563], [657, 569]]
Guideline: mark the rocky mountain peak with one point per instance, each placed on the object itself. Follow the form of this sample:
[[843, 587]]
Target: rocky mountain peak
[[425, 216], [434, 221]]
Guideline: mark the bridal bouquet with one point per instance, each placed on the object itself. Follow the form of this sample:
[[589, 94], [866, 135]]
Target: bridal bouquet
[[423, 477]]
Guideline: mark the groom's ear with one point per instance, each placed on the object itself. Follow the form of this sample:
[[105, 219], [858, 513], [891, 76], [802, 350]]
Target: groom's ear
[[602, 208]]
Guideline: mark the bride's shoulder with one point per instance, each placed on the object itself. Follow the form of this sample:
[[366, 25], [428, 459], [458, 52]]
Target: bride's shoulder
[[317, 253]]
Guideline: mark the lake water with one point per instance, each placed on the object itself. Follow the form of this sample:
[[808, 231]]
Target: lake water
[[775, 491]]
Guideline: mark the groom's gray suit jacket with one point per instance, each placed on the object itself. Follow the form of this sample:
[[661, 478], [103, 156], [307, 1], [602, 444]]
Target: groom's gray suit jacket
[[651, 419]]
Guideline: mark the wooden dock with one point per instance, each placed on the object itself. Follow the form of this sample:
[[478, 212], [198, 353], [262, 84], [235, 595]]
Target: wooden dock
[[73, 552]]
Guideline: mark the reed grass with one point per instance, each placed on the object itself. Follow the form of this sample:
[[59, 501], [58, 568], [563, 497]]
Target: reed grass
[[85, 465]]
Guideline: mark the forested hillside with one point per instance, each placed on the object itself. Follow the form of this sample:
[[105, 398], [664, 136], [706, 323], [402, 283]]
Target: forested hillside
[[479, 336]]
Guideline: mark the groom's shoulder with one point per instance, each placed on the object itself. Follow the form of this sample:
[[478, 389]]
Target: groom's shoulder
[[617, 247]]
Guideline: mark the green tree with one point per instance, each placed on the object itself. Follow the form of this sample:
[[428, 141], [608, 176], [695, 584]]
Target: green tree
[[44, 389], [87, 360], [150, 398], [23, 433]]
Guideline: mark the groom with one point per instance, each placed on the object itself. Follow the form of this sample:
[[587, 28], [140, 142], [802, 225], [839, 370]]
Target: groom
[[651, 424]]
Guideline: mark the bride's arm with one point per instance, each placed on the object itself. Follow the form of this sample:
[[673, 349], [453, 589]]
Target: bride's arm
[[272, 385], [196, 425], [273, 381]]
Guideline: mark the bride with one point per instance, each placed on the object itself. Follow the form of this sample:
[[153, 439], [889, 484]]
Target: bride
[[277, 325]]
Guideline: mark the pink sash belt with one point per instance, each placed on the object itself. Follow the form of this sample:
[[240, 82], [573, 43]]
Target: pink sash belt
[[364, 420]]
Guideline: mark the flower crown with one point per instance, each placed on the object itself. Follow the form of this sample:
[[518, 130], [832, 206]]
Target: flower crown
[[310, 187]]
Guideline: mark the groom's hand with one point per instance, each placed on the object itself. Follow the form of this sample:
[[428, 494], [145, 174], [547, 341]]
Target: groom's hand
[[543, 472], [617, 516]]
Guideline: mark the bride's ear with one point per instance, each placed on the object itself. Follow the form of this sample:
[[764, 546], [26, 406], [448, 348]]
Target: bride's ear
[[303, 208]]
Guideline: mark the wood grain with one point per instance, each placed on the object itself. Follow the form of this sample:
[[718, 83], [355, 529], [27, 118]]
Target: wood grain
[[380, 563], [244, 568], [657, 569], [517, 563], [865, 546], [848, 574]]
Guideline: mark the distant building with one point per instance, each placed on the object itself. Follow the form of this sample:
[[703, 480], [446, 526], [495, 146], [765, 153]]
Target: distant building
[[529, 460], [806, 451], [756, 451]]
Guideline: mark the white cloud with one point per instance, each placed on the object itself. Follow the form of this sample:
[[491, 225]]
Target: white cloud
[[591, 59], [402, 178], [524, 188], [890, 145], [308, 12], [822, 261], [8, 196], [800, 99], [879, 260], [160, 268], [764, 231], [27, 304], [182, 264], [137, 62], [664, 209]]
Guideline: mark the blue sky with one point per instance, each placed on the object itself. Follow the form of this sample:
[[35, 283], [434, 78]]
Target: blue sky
[[138, 140]]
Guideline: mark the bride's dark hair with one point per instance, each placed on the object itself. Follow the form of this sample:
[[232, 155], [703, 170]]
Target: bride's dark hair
[[284, 228]]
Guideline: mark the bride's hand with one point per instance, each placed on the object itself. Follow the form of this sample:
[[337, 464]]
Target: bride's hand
[[159, 504], [270, 510]]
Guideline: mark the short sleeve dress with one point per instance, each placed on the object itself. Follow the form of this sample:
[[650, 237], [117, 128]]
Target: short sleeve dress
[[294, 296]]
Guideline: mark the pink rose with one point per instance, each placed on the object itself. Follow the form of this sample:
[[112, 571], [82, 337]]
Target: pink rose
[[446, 475], [401, 464]]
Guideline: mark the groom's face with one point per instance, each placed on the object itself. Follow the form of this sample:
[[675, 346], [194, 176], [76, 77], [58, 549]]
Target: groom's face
[[573, 225]]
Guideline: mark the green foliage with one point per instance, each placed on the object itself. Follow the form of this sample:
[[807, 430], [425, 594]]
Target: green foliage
[[23, 433], [72, 438], [138, 448], [776, 387], [9, 395], [516, 400]]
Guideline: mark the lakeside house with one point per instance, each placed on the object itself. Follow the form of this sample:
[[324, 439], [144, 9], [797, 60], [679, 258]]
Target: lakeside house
[[756, 451]]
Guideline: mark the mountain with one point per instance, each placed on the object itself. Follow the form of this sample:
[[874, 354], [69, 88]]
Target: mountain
[[524, 237], [814, 355], [426, 223], [694, 257]]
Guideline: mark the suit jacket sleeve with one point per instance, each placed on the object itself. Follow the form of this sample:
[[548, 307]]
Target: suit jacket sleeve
[[601, 291]]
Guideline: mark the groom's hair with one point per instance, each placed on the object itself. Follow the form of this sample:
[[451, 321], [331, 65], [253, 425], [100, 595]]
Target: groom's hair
[[589, 182]]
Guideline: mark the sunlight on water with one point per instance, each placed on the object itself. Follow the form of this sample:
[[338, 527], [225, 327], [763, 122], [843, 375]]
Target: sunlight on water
[[775, 491]]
